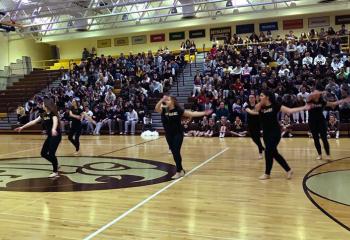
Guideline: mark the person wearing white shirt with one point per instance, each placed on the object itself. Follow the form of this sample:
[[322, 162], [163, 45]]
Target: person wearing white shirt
[[304, 94], [319, 59], [291, 49], [282, 60], [85, 122], [307, 60], [284, 71], [131, 119], [237, 70], [301, 48], [336, 64]]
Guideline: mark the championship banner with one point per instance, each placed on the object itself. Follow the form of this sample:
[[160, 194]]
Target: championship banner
[[122, 41], [176, 36], [293, 24], [319, 22], [270, 26], [223, 33], [342, 19], [245, 28], [157, 37], [104, 43], [197, 33], [142, 39]]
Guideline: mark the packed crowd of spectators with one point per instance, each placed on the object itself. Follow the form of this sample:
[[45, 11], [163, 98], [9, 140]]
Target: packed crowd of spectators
[[112, 91], [290, 67]]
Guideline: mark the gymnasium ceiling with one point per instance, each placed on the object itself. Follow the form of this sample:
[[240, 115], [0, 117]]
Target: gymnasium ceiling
[[53, 20]]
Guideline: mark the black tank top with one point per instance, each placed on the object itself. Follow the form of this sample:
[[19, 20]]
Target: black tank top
[[76, 111], [316, 112], [171, 120], [47, 123], [252, 120], [269, 120]]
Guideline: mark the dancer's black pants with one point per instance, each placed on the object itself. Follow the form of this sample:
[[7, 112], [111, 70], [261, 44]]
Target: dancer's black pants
[[49, 149], [271, 141], [320, 130], [175, 143], [255, 135], [76, 132]]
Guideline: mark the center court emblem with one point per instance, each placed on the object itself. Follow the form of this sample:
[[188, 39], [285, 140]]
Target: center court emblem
[[81, 174]]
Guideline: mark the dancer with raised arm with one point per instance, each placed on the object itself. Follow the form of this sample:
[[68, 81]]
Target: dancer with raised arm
[[317, 121], [51, 124], [268, 110], [254, 126], [171, 114]]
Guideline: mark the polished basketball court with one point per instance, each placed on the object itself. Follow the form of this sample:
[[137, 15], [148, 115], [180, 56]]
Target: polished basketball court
[[120, 188]]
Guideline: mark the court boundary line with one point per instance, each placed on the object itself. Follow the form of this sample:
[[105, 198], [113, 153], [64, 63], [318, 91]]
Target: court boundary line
[[143, 202], [121, 149], [313, 201], [21, 151]]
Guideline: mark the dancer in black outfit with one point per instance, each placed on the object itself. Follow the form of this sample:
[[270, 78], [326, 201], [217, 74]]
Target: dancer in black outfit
[[51, 125], [171, 117], [268, 110], [254, 126], [318, 122], [76, 114]]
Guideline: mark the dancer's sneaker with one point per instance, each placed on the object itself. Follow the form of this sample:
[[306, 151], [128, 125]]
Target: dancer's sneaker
[[319, 157], [54, 175], [179, 174], [260, 156], [328, 158], [290, 174], [264, 177]]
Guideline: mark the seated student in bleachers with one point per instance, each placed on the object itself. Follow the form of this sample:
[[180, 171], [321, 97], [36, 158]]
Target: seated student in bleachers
[[87, 126], [99, 116], [238, 128], [222, 111], [22, 118], [286, 126], [211, 129], [224, 126], [131, 120], [333, 127], [147, 122]]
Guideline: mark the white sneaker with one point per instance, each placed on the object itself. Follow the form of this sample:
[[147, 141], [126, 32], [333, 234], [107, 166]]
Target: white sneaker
[[169, 151], [179, 174], [319, 157], [76, 153], [290, 174], [264, 177], [329, 158], [54, 175], [260, 156]]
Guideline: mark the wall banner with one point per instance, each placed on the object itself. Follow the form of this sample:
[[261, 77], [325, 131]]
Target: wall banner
[[176, 36], [200, 33], [223, 33], [319, 22], [343, 19], [157, 37], [245, 28], [293, 24], [142, 39], [104, 43], [122, 41], [270, 26]]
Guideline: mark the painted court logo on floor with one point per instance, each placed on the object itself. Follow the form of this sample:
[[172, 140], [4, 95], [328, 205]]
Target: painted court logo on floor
[[81, 174]]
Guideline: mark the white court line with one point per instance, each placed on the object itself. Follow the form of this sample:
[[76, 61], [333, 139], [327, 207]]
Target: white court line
[[5, 154], [140, 204]]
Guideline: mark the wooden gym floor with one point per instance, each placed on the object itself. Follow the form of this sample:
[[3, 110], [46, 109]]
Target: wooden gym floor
[[220, 198]]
